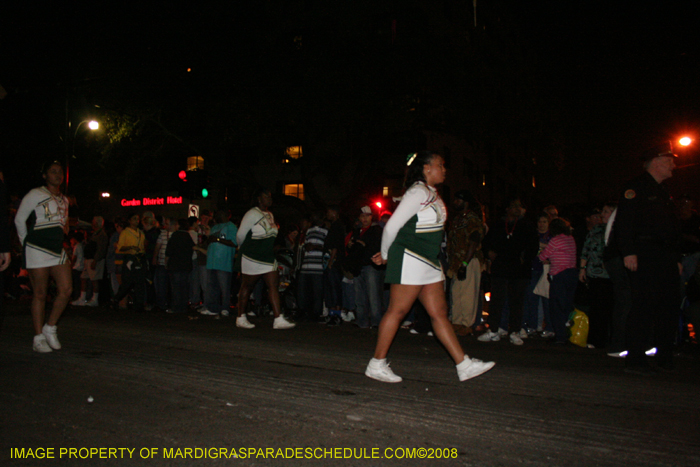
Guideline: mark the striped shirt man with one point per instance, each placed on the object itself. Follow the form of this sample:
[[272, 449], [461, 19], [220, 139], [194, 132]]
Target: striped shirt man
[[313, 259]]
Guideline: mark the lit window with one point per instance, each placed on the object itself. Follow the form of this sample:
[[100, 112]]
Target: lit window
[[195, 163], [385, 191], [295, 189], [294, 152]]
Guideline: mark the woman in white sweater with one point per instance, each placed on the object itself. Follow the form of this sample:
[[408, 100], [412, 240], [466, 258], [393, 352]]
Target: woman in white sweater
[[410, 245], [41, 223]]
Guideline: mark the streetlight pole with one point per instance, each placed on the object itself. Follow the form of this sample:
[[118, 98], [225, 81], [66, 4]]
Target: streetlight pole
[[93, 125]]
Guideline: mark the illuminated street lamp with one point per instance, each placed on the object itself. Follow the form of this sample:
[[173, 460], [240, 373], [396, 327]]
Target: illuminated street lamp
[[92, 125], [687, 150]]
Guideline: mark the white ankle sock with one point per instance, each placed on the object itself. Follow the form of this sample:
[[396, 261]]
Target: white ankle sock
[[464, 363]]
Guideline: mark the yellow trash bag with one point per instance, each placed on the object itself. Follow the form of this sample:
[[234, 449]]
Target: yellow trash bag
[[578, 324]]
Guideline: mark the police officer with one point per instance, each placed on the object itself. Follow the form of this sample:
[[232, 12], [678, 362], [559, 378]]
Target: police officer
[[647, 233]]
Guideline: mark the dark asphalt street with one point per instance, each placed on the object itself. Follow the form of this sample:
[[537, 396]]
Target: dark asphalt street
[[161, 382]]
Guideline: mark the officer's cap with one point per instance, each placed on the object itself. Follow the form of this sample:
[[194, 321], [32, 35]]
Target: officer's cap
[[664, 149]]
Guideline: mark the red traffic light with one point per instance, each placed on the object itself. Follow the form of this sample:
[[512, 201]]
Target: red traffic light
[[182, 175]]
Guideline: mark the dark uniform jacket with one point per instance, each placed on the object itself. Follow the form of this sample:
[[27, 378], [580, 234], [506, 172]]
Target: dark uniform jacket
[[646, 221], [4, 223]]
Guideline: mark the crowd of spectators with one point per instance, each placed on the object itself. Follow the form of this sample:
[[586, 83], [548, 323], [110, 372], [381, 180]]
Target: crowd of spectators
[[493, 268]]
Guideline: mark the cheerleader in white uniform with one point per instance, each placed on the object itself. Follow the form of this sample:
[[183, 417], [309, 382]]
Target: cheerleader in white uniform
[[256, 259], [41, 223], [411, 244]]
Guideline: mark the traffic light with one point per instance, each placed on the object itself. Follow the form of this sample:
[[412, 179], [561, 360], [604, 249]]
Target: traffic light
[[194, 183], [200, 183]]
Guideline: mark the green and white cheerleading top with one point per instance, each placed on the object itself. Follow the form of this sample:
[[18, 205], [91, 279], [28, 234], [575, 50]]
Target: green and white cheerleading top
[[40, 222], [256, 237], [412, 237]]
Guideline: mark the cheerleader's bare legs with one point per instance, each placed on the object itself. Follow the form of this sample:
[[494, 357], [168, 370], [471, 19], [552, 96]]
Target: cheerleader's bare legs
[[432, 296]]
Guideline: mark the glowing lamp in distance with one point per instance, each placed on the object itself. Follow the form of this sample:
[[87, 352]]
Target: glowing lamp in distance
[[94, 125], [685, 141], [182, 175], [378, 204]]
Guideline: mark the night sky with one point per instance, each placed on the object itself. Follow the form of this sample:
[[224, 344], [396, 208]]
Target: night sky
[[614, 77]]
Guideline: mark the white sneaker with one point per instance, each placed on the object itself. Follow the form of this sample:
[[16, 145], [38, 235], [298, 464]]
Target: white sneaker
[[224, 313], [242, 322], [40, 344], [206, 312], [49, 333], [379, 370], [489, 336], [430, 334], [78, 302], [547, 334], [502, 332], [351, 316], [515, 339], [345, 316], [622, 354], [281, 323], [523, 333], [472, 367], [91, 303]]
